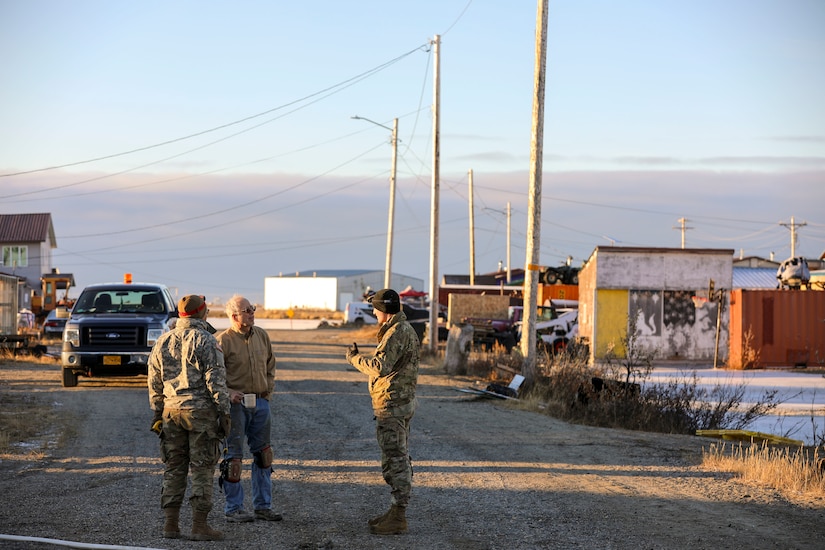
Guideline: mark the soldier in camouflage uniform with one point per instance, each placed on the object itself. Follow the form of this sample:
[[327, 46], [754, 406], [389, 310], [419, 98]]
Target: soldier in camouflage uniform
[[190, 400], [393, 374]]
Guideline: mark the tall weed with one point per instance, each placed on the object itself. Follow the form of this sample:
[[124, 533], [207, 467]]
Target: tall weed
[[617, 394], [797, 470]]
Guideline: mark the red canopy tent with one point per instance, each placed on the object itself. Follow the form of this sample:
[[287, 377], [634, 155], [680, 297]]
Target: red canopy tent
[[409, 292]]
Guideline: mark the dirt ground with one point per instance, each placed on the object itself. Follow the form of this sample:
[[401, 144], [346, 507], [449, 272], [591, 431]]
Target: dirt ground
[[487, 475]]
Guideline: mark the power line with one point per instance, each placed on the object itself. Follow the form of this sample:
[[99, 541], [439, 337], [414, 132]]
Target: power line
[[237, 206], [457, 19], [329, 91]]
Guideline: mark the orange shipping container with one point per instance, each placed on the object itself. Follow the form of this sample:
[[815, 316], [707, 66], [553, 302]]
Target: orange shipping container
[[776, 328], [557, 292]]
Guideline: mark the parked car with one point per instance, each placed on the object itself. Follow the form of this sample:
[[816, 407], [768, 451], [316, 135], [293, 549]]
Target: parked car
[[55, 323], [359, 314]]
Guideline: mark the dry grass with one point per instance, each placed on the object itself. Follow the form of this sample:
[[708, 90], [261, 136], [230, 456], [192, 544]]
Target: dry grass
[[21, 421], [563, 391], [28, 423], [790, 471], [28, 427], [495, 365], [368, 334]]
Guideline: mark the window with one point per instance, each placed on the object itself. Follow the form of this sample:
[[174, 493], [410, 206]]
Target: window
[[15, 256]]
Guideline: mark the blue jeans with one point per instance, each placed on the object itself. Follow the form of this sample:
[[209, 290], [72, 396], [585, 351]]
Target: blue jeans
[[254, 425]]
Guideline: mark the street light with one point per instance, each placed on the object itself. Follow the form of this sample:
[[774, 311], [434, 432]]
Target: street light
[[391, 222]]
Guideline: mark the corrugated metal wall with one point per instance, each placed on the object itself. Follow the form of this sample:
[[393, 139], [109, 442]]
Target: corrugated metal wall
[[776, 328], [8, 305], [557, 292]]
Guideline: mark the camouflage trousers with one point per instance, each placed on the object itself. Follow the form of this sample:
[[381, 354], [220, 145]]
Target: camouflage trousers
[[190, 441], [393, 436]]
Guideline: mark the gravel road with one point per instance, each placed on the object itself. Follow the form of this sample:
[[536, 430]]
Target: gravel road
[[487, 475]]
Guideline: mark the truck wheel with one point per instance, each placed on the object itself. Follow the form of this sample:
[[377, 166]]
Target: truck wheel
[[69, 378], [551, 277], [358, 322]]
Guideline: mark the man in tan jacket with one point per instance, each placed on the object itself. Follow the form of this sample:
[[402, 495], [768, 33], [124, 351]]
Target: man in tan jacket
[[250, 377]]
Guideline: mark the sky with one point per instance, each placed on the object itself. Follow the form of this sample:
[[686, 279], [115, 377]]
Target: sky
[[208, 145]]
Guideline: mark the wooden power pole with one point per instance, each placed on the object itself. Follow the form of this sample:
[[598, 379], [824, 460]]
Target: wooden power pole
[[532, 269], [472, 234], [433, 332]]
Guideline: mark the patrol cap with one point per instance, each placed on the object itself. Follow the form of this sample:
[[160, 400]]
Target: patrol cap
[[386, 300], [192, 305]]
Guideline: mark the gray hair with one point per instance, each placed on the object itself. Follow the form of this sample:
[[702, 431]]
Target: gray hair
[[233, 305]]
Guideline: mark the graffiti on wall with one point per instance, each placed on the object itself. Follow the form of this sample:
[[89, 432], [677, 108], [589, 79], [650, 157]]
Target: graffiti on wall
[[646, 306], [680, 318], [655, 308], [679, 310], [670, 322]]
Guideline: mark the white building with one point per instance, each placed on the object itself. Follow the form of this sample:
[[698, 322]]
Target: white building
[[329, 289]]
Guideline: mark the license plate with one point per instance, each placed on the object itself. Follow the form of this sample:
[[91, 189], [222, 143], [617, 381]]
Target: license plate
[[111, 359]]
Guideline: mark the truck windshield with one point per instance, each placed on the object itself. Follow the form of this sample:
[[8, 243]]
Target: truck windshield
[[120, 301]]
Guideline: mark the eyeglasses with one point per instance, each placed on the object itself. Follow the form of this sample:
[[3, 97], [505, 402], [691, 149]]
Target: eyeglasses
[[249, 311]]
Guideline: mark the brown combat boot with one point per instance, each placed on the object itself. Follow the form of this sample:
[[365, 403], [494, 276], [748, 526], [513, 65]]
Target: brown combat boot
[[171, 529], [200, 529], [377, 519], [394, 523]]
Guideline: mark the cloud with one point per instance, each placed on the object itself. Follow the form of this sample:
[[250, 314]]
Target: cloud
[[799, 139], [223, 233]]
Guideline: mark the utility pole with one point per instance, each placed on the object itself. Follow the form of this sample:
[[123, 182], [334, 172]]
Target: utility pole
[[433, 332], [533, 267], [683, 227], [472, 234], [793, 226], [391, 220], [509, 270]]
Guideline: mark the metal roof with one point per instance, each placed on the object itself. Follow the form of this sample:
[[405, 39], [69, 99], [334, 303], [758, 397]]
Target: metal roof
[[331, 273], [496, 278], [754, 277], [21, 228]]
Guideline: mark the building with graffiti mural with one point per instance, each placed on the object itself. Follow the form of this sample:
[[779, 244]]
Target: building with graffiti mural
[[672, 301]]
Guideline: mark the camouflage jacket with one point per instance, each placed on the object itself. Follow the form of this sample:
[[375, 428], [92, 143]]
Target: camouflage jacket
[[186, 370], [393, 370]]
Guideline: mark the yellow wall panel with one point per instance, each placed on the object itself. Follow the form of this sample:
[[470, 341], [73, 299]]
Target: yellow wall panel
[[610, 322]]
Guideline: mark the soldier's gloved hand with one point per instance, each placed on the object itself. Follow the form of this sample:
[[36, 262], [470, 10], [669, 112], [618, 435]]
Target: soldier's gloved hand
[[352, 351], [157, 422], [226, 424]]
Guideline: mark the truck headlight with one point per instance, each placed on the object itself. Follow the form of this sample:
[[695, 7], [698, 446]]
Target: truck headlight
[[152, 335], [72, 336]]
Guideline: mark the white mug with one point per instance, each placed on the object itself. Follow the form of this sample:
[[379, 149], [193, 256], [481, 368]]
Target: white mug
[[249, 400]]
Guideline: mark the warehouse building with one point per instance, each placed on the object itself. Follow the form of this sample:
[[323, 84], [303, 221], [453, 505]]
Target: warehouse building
[[329, 289]]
